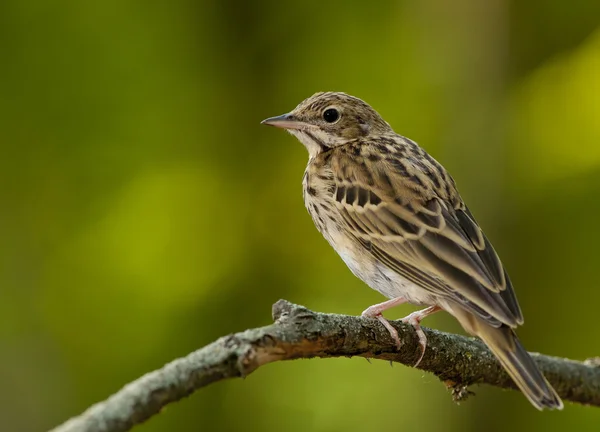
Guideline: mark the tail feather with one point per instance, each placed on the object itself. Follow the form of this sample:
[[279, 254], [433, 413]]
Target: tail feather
[[505, 345], [507, 348]]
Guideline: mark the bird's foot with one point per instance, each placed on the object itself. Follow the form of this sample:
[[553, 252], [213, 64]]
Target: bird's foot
[[375, 312], [391, 329], [414, 319]]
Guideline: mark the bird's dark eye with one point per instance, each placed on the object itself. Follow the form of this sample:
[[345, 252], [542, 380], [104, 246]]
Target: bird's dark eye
[[330, 115]]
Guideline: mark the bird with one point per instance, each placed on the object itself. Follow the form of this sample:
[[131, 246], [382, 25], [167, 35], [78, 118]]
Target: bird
[[395, 217]]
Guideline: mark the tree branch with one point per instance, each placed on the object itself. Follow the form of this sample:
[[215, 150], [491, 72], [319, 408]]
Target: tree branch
[[301, 333]]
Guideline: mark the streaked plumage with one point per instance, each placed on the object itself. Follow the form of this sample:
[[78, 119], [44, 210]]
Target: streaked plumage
[[395, 216]]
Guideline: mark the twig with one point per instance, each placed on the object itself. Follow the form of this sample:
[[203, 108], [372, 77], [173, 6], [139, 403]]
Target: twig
[[300, 333]]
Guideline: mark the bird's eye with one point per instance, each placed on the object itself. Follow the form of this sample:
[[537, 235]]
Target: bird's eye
[[331, 115]]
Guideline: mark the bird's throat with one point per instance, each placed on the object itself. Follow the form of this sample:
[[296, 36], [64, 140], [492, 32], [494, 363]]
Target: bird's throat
[[311, 140]]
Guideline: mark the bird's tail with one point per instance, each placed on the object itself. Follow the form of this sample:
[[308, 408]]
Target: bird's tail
[[507, 348]]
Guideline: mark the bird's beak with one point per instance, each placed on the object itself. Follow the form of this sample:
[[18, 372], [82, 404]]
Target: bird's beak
[[285, 121]]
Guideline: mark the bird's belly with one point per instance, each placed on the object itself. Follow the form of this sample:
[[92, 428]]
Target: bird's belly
[[375, 274]]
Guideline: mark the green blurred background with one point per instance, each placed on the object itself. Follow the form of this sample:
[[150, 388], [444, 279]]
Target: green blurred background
[[145, 212]]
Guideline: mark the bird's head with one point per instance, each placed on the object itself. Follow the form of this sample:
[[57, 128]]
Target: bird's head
[[330, 119]]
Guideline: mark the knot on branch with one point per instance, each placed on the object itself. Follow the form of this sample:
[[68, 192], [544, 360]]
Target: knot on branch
[[283, 310], [593, 361], [460, 392]]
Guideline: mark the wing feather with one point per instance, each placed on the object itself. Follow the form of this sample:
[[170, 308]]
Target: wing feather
[[426, 239]]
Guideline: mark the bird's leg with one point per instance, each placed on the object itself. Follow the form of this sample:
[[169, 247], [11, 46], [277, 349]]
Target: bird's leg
[[414, 319], [376, 310]]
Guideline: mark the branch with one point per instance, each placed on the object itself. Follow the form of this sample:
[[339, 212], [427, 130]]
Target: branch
[[300, 333]]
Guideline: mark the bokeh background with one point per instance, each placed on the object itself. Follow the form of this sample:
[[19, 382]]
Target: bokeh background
[[144, 212]]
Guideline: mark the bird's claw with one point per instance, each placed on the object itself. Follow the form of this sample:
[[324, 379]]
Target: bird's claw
[[393, 332], [414, 319]]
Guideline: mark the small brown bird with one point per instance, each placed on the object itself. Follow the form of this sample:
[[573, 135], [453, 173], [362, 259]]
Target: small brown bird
[[395, 217]]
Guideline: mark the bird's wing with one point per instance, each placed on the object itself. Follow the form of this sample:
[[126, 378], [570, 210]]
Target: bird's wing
[[407, 220]]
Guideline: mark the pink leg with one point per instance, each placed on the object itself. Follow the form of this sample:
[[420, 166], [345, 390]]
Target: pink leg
[[376, 310], [414, 319]]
